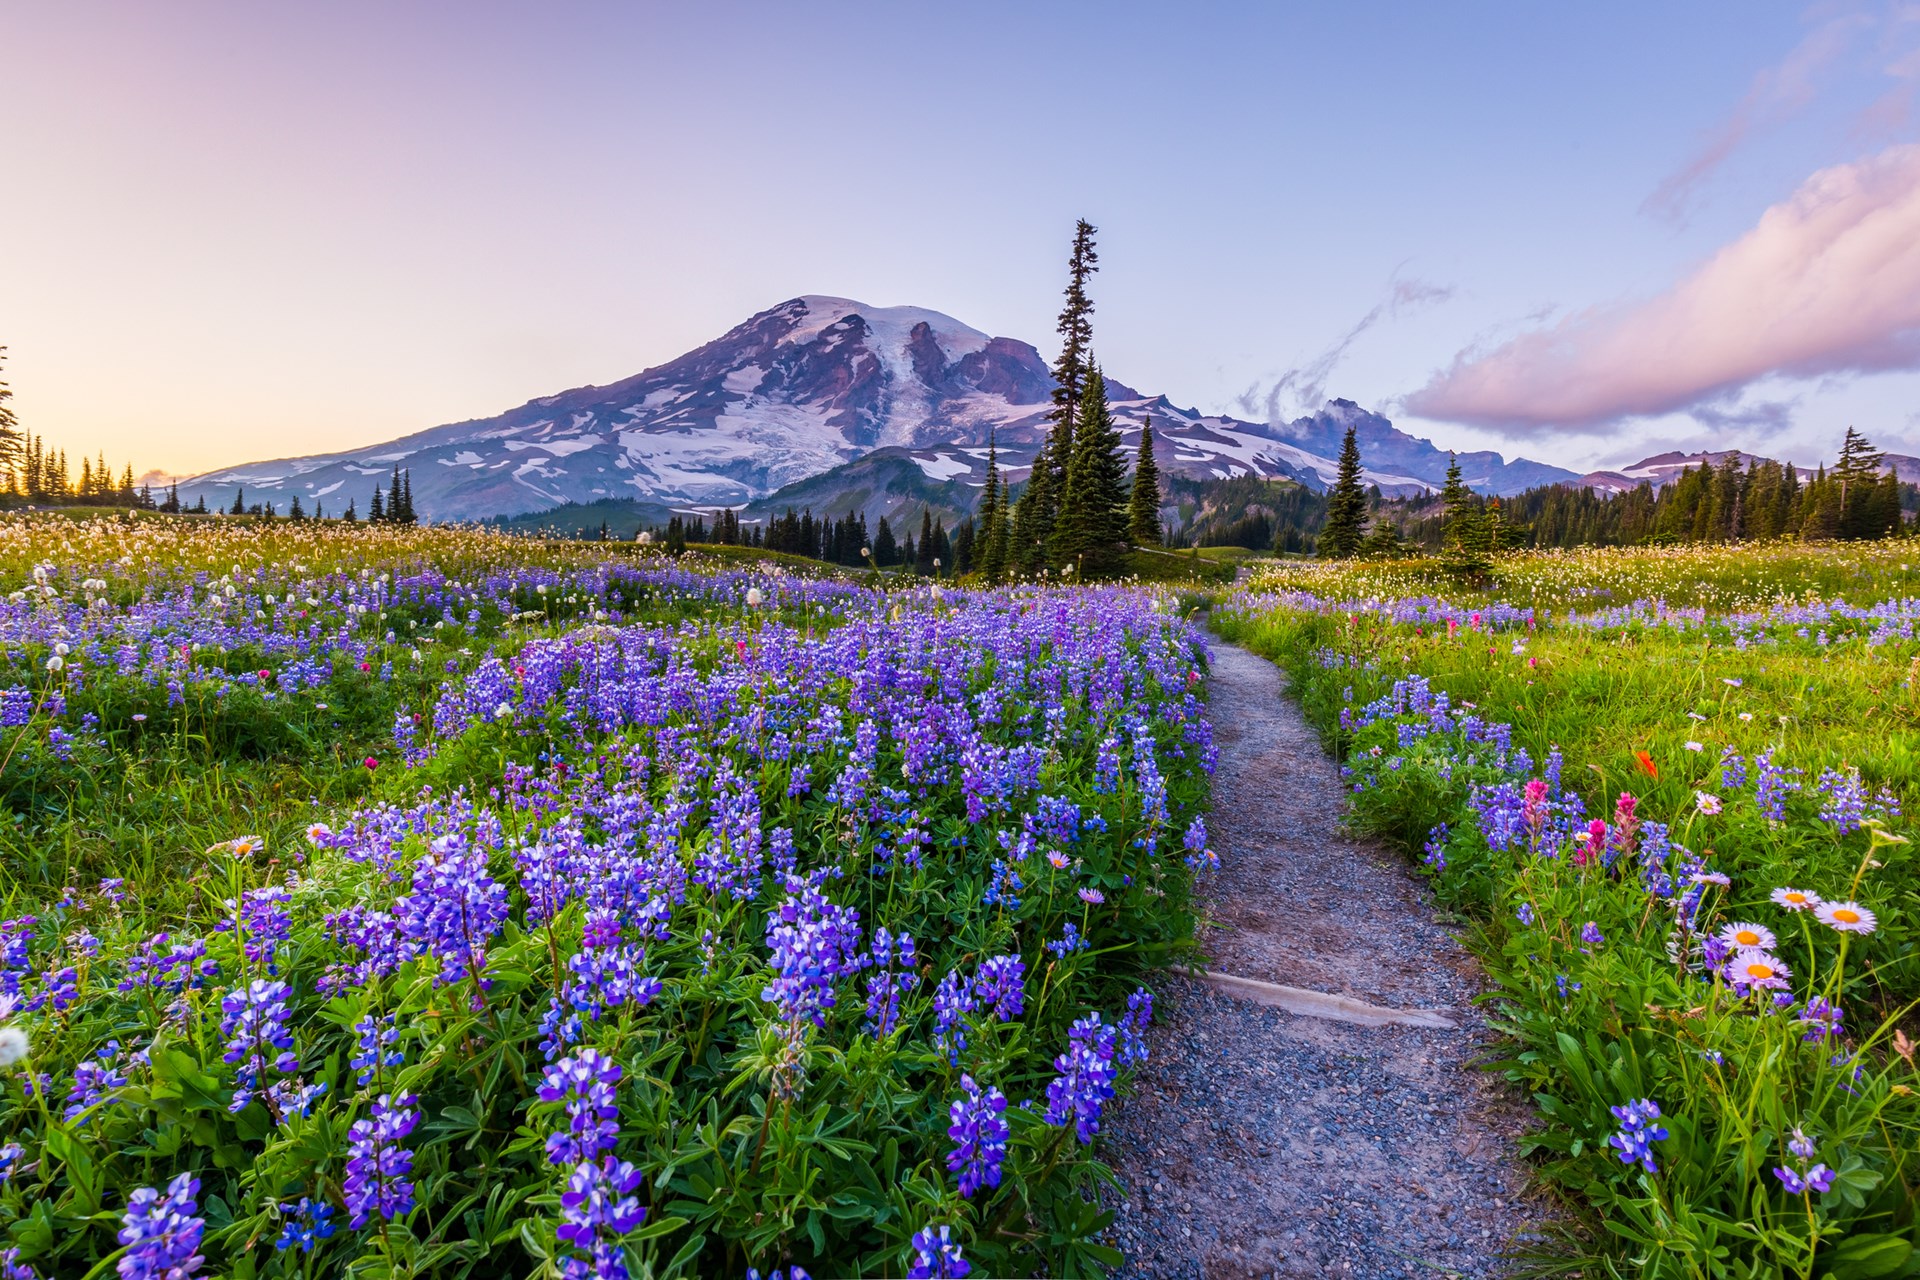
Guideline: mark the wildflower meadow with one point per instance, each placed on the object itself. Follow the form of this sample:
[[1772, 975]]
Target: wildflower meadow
[[389, 902], [1671, 792]]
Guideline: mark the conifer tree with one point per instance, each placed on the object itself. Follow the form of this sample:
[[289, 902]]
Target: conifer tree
[[1463, 535], [377, 509], [239, 502], [1046, 486], [1346, 505], [923, 561], [1091, 530], [12, 441], [992, 553], [1143, 507], [885, 549]]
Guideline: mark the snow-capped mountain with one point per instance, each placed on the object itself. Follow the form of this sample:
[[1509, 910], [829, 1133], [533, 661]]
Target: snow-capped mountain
[[804, 388]]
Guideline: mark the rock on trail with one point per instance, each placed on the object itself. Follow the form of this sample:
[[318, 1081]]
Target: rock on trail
[[1262, 1143]]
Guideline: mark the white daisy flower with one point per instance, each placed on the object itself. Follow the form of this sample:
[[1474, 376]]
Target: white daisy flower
[[1743, 935], [1847, 917], [1707, 802], [1752, 967], [1795, 899]]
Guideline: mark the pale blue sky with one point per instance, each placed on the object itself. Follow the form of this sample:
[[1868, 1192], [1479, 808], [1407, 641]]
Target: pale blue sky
[[234, 231]]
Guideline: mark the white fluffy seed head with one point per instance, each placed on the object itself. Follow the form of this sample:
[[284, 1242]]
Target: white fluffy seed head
[[13, 1045]]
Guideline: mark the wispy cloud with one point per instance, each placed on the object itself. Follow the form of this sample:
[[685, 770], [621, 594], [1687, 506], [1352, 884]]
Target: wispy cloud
[[1304, 387], [1777, 93], [1828, 282]]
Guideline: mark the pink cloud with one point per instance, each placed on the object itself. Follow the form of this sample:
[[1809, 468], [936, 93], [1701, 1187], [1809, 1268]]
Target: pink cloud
[[1827, 282]]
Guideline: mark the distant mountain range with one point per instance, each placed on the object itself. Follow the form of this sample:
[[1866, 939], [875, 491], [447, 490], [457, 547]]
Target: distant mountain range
[[833, 404]]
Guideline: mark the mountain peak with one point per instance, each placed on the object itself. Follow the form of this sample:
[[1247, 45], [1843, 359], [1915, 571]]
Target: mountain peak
[[801, 389]]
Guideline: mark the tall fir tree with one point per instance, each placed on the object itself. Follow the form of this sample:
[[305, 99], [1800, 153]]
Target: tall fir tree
[[377, 509], [1090, 532], [1463, 533], [987, 516], [1143, 506], [1046, 486], [1346, 505], [12, 440], [924, 549]]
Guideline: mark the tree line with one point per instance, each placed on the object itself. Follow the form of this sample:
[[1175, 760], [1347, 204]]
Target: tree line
[[1739, 499]]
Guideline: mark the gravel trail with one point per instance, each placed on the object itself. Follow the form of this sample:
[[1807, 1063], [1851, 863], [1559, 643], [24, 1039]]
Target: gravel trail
[[1259, 1143]]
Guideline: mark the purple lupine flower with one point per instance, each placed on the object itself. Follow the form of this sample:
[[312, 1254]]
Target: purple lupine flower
[[255, 1019], [1638, 1133], [1000, 985], [1733, 769], [814, 942], [452, 914], [1823, 1020], [1772, 784], [1085, 1077], [94, 1082], [953, 1000], [1004, 889], [1198, 855], [979, 1133], [1133, 1027], [596, 1209], [1843, 799], [885, 987], [1801, 1145], [1434, 851], [11, 1268], [379, 1168], [162, 1233], [1591, 935], [373, 1052], [1068, 942], [9, 1156], [304, 1224], [585, 1084], [265, 923], [936, 1255], [1819, 1178], [610, 978]]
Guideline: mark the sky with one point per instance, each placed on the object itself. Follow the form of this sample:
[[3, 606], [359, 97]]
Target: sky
[[1578, 233]]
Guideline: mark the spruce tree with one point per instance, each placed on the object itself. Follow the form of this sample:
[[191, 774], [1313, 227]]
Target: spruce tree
[[377, 509], [923, 561], [1346, 505], [1046, 486], [239, 501], [1463, 533], [885, 549], [1091, 530], [12, 441], [1143, 508], [406, 498], [992, 553]]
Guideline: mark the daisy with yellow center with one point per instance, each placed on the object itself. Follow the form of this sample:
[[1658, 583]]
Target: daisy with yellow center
[[1738, 936], [247, 846], [1058, 859], [1796, 899], [1847, 917], [1752, 968]]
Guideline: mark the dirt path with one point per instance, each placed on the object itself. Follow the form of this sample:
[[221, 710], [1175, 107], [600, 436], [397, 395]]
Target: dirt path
[[1260, 1143]]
